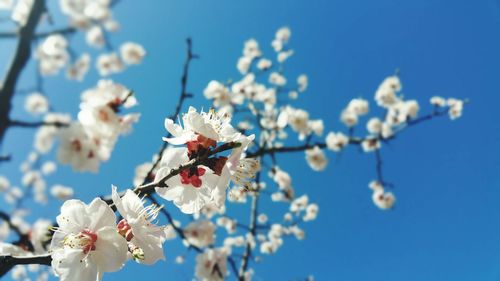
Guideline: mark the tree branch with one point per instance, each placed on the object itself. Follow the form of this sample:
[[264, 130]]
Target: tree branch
[[62, 31], [21, 57], [352, 140], [36, 124], [8, 262]]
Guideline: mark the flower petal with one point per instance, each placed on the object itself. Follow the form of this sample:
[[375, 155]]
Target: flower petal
[[110, 250]]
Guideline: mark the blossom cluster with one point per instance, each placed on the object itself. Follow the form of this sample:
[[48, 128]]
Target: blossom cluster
[[211, 161], [89, 140]]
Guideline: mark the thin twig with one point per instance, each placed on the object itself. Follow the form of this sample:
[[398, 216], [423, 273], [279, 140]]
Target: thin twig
[[182, 97], [253, 231]]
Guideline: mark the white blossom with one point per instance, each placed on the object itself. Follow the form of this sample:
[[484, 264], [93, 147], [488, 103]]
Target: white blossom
[[244, 64], [95, 37], [264, 64], [86, 243], [44, 137], [282, 36], [145, 238], [61, 192], [21, 11], [456, 108], [303, 82], [52, 54], [82, 12], [386, 94], [192, 188], [358, 106], [438, 101], [40, 234], [132, 53], [284, 55], [374, 126], [251, 49], [211, 265], [79, 68], [349, 118], [311, 212], [200, 233], [6, 4], [336, 141], [4, 183], [49, 167], [36, 104], [109, 64], [316, 159], [370, 144], [383, 200]]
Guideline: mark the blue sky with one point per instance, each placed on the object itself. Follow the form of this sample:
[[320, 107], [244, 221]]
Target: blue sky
[[446, 224]]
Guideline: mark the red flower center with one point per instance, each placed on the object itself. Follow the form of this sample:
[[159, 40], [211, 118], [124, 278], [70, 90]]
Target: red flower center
[[199, 146], [91, 240], [192, 176]]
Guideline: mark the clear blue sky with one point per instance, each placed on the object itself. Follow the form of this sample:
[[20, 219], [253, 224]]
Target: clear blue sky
[[446, 225]]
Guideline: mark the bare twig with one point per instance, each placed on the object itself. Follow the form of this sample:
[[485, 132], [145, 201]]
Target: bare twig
[[253, 231], [182, 97]]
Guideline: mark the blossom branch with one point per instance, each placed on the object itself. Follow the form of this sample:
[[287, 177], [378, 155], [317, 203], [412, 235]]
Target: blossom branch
[[149, 188], [352, 140]]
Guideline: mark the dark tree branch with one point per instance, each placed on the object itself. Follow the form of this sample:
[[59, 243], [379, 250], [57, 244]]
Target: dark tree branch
[[36, 124], [62, 31], [21, 57], [8, 262], [7, 34], [5, 158]]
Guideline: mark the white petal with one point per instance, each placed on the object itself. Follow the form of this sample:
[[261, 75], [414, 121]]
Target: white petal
[[70, 265], [152, 247], [100, 214], [73, 217], [111, 250]]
